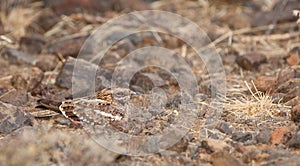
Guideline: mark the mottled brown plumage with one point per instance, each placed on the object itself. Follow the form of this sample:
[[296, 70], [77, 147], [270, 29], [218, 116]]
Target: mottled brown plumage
[[107, 103]]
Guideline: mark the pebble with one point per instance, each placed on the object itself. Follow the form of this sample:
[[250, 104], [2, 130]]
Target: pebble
[[251, 60], [15, 97], [266, 83], [27, 78], [286, 74], [290, 89], [46, 62], [263, 136], [12, 118], [68, 47], [294, 142], [295, 113], [224, 128], [18, 57], [213, 145], [241, 136], [278, 135], [82, 83], [32, 44], [293, 60]]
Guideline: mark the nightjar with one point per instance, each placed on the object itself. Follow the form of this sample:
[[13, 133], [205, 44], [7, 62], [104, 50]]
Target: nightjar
[[108, 105]]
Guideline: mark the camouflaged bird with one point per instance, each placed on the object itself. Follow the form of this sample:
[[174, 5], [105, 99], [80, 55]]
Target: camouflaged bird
[[106, 104]]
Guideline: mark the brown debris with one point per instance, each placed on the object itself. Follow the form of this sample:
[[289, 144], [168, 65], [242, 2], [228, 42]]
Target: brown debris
[[28, 78], [15, 97], [295, 114], [46, 62], [293, 60], [212, 145], [68, 47], [290, 89], [266, 83], [286, 74], [12, 118], [251, 61], [32, 44], [278, 136]]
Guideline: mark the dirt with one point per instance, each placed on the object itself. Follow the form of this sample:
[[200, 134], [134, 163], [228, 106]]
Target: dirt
[[49, 53]]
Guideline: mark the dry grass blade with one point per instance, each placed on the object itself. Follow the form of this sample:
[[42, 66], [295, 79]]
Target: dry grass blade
[[257, 105]]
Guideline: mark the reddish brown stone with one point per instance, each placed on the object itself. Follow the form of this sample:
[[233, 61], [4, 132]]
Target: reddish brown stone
[[266, 83], [278, 135], [251, 61], [293, 60]]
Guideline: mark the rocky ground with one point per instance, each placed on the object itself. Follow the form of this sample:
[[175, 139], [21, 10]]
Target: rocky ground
[[254, 123]]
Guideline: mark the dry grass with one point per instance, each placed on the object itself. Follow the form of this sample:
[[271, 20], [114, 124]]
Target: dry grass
[[257, 105]]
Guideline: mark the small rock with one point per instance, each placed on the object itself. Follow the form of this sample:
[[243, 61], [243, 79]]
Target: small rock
[[224, 128], [293, 102], [241, 136], [295, 114], [147, 81], [225, 159], [212, 145], [180, 146], [17, 57], [293, 60], [278, 135], [28, 78], [290, 89], [192, 150], [294, 141], [81, 81], [68, 47], [15, 97], [263, 136], [286, 74], [32, 44], [12, 118], [46, 62], [45, 21], [266, 83], [251, 61]]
